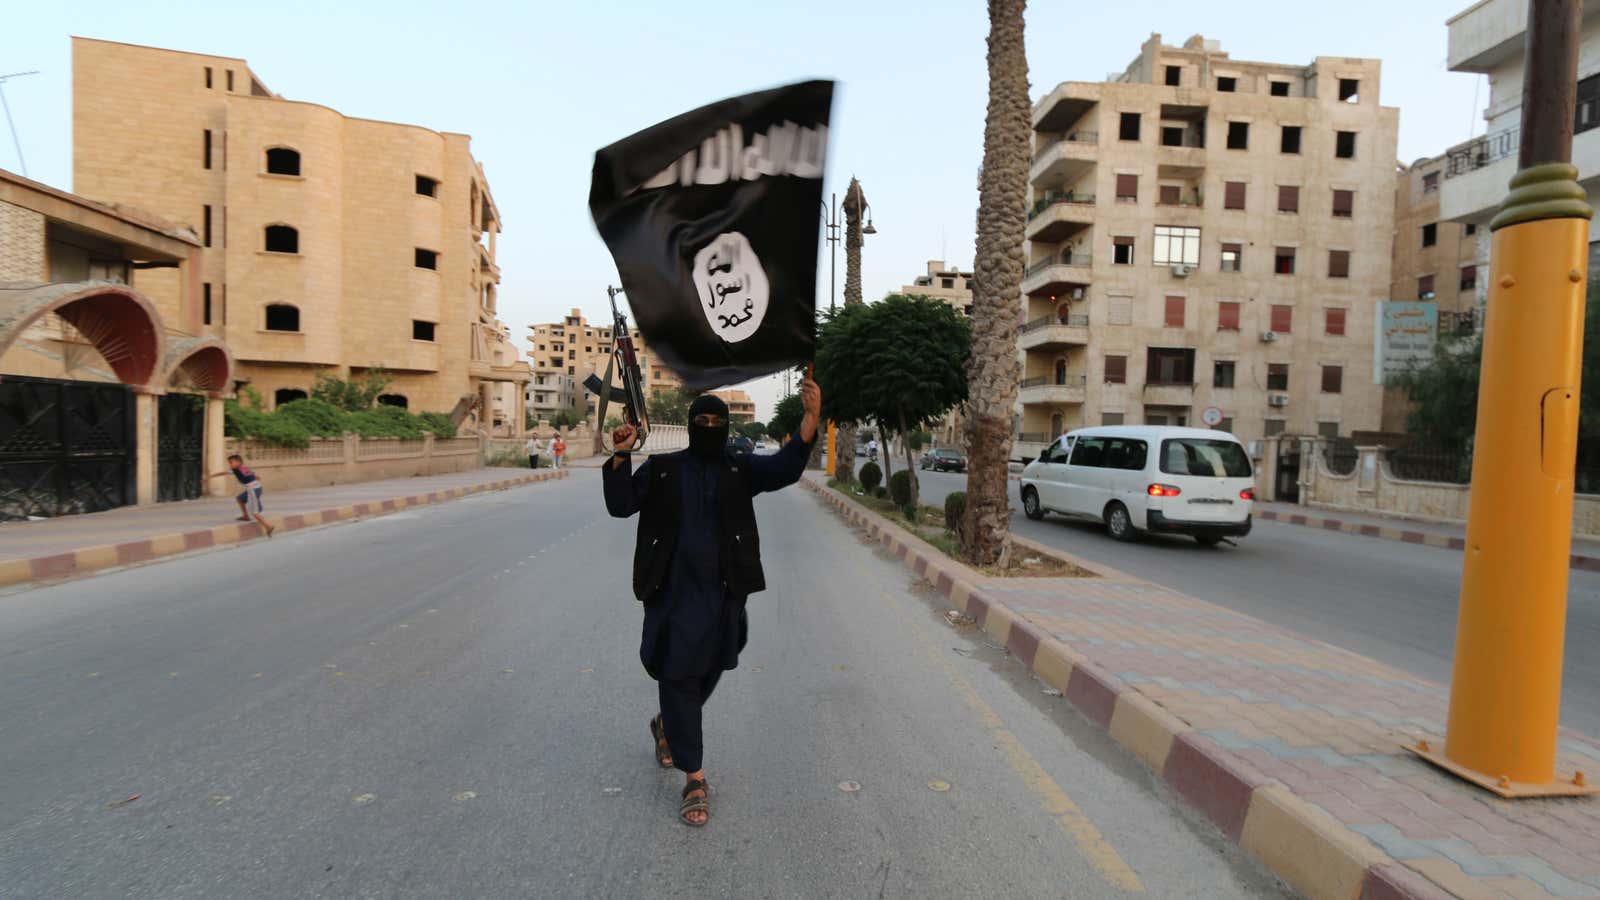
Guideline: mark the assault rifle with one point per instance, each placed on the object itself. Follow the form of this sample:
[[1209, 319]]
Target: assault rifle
[[631, 394]]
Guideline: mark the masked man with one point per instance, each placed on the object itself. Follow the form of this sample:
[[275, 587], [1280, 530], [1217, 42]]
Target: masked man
[[697, 557]]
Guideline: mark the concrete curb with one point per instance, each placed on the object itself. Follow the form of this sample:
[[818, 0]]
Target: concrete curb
[[1395, 533], [89, 559], [1310, 850]]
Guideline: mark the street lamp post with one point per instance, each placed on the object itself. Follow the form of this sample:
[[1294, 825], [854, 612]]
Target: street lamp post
[[831, 226]]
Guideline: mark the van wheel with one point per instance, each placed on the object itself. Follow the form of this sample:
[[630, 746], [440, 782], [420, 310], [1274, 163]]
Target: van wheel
[[1030, 504], [1207, 540], [1118, 523]]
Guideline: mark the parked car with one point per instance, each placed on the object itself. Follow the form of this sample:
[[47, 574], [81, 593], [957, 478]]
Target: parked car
[[944, 459], [738, 443], [1139, 479]]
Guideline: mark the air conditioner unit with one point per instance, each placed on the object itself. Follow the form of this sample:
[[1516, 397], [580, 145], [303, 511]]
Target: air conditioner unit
[[1077, 293], [1428, 296], [1181, 271], [1268, 337], [1277, 399]]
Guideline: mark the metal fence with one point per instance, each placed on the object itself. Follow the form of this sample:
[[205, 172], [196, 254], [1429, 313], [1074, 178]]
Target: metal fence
[[1058, 259], [1487, 150], [1340, 456], [1423, 461]]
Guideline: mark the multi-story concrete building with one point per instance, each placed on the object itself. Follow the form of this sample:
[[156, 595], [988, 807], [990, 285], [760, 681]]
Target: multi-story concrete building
[[741, 409], [332, 244], [954, 287], [575, 347], [550, 393], [1208, 239]]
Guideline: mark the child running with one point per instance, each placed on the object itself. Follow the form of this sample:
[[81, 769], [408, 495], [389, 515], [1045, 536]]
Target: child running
[[250, 498]]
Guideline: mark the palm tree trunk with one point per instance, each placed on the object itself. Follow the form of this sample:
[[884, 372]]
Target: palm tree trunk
[[854, 201], [997, 266]]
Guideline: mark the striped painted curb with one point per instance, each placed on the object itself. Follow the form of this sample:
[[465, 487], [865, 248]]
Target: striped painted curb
[[89, 559], [1395, 533], [1310, 850]]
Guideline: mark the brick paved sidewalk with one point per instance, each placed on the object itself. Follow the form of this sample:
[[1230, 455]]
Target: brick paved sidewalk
[[1291, 746], [67, 545]]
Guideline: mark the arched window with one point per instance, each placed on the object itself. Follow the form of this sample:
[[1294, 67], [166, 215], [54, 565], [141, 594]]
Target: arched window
[[282, 239], [1061, 371], [283, 161], [283, 317], [286, 395], [394, 400]]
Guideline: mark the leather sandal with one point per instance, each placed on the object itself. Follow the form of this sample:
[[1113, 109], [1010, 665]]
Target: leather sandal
[[663, 752], [700, 804]]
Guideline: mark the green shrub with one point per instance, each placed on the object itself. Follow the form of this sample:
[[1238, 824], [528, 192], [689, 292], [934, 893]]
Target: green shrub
[[955, 508], [439, 423], [385, 422], [880, 492], [910, 513], [900, 487], [871, 476], [317, 417], [268, 428]]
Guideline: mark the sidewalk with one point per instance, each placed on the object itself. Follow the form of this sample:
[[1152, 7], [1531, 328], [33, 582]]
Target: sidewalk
[[1585, 552], [70, 545], [1293, 748]]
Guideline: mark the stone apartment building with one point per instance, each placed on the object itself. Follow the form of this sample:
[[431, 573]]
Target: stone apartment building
[[574, 347], [1208, 238], [550, 393], [331, 244], [741, 409]]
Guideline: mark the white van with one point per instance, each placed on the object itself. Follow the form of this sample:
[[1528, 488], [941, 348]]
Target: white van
[[1149, 478]]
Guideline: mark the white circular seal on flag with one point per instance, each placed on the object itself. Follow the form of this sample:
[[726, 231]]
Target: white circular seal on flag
[[732, 285]]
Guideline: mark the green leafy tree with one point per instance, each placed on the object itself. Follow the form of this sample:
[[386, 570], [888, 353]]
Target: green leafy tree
[[919, 439], [353, 394], [669, 406], [755, 431], [786, 416], [613, 422], [1444, 392], [901, 362], [566, 418]]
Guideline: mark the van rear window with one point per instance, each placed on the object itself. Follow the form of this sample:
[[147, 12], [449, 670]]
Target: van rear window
[[1205, 458]]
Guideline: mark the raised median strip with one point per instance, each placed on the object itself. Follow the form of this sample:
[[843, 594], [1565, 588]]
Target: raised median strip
[[23, 570], [1400, 533], [1291, 747]]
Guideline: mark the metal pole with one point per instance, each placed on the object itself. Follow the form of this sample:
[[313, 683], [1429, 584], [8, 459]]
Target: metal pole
[[1505, 692], [22, 163]]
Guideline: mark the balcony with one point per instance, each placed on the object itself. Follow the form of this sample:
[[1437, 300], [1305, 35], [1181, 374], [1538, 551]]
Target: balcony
[[1064, 159], [1053, 390], [1057, 217], [1065, 106], [1051, 333], [1057, 274], [1168, 393], [1486, 35]]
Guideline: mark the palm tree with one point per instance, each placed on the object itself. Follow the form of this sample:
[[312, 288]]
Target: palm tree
[[997, 276], [844, 459]]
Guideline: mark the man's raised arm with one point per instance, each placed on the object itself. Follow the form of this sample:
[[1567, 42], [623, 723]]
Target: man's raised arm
[[771, 473], [625, 489]]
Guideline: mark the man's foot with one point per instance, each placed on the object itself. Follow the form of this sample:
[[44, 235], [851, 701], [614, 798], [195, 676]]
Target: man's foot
[[244, 519], [271, 529], [696, 808], [663, 752]]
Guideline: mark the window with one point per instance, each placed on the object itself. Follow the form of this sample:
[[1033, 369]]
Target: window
[[1344, 203], [1469, 229], [1288, 198], [1238, 135], [1204, 457], [283, 161], [947, 282], [1174, 366], [427, 259], [1171, 136], [1344, 144], [1282, 318], [1333, 322], [1174, 312], [1290, 142], [1116, 370], [1226, 424], [1469, 277], [1587, 113], [206, 227], [1176, 244], [1233, 195], [1089, 452], [1283, 260], [1111, 418], [1232, 257], [1328, 430], [1174, 75], [421, 331], [1425, 287], [1430, 234], [1119, 310], [1338, 263], [1279, 88], [1222, 373], [427, 187], [1277, 376], [1349, 90], [1169, 194], [1128, 127], [1228, 315], [287, 395], [282, 239], [1272, 427], [282, 317], [1430, 182], [1126, 453], [1226, 84], [205, 290], [1127, 187], [230, 79], [208, 77], [1332, 379], [205, 147], [572, 354], [1122, 251], [398, 400]]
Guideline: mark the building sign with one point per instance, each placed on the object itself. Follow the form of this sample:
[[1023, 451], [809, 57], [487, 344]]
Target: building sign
[[1406, 333]]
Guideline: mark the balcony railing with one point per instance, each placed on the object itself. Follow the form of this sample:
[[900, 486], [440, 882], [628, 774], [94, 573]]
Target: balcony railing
[[1485, 151], [1055, 381], [1060, 259], [1034, 437], [1051, 198], [1071, 137], [1076, 321]]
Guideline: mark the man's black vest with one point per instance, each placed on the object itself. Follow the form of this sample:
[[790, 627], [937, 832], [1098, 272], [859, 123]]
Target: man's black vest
[[739, 547]]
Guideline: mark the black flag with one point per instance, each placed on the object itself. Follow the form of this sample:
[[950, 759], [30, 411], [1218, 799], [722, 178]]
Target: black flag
[[713, 220]]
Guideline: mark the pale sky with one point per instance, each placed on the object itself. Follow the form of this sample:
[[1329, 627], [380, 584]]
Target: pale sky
[[540, 86]]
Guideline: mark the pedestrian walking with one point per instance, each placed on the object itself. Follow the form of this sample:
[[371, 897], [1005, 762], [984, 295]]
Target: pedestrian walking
[[696, 560], [249, 497], [534, 447], [558, 450]]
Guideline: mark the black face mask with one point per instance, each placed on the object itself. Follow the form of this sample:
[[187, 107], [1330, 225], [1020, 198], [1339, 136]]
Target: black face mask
[[705, 441]]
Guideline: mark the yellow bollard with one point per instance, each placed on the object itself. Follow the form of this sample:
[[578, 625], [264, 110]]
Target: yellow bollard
[[1505, 694], [833, 443]]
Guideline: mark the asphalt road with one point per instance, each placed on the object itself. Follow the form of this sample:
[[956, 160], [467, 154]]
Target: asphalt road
[[1394, 602], [447, 702]]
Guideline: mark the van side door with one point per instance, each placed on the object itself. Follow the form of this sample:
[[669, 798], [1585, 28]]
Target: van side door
[[1085, 477]]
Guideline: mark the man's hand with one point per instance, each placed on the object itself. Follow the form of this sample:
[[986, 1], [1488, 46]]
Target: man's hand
[[625, 437], [811, 400]]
